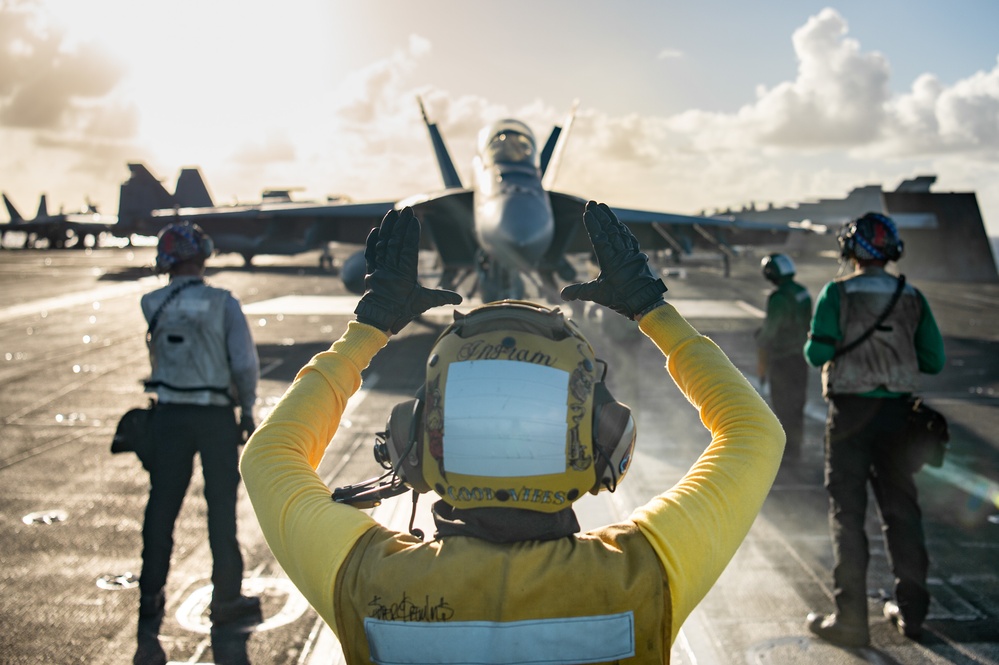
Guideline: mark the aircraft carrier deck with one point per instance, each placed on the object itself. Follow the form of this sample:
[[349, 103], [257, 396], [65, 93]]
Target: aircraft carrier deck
[[73, 358]]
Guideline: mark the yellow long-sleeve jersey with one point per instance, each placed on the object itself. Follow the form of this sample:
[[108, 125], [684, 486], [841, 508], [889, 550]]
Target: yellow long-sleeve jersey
[[618, 593]]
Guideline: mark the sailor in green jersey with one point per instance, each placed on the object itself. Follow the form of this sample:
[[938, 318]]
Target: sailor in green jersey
[[779, 349], [866, 385]]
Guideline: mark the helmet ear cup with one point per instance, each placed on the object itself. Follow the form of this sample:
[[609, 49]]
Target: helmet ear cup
[[614, 439], [893, 252], [846, 242], [206, 246], [402, 440]]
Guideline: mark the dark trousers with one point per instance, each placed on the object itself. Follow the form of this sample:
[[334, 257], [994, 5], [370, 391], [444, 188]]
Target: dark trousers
[[865, 442], [180, 431], [788, 392]]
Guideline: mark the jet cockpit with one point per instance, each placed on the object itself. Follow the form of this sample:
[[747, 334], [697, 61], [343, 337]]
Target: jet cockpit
[[508, 141]]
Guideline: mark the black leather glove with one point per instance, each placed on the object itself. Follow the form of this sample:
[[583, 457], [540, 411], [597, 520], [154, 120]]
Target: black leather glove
[[392, 295], [625, 284], [246, 427]]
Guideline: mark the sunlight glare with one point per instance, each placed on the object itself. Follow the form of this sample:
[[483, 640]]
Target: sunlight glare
[[206, 77]]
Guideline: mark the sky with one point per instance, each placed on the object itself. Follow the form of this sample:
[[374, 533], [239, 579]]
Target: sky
[[683, 107]]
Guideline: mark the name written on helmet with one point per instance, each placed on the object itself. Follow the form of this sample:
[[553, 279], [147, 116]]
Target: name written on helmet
[[510, 495], [506, 350]]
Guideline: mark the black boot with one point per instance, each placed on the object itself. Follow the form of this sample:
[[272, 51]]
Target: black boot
[[244, 609], [911, 630], [834, 630]]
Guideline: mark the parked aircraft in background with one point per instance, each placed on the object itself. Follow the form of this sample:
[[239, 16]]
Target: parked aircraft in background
[[276, 225], [59, 231], [507, 227]]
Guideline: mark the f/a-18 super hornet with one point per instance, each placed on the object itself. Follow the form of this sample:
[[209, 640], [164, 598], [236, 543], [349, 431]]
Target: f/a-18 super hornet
[[62, 230], [508, 228]]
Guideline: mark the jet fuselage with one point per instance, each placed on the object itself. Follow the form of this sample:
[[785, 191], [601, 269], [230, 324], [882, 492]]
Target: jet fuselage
[[514, 224]]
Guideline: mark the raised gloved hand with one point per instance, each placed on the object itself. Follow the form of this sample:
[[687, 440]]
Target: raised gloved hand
[[246, 427], [392, 295], [625, 284]]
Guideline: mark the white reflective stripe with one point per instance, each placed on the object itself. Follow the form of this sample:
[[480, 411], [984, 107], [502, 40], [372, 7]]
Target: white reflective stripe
[[565, 641], [504, 418]]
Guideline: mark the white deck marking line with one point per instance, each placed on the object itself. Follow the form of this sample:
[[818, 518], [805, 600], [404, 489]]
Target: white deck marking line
[[33, 307]]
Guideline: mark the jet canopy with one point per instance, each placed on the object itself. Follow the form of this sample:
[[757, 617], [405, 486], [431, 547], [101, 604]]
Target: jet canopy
[[508, 141]]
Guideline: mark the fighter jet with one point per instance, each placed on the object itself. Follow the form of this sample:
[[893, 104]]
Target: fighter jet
[[508, 230], [274, 226], [59, 231]]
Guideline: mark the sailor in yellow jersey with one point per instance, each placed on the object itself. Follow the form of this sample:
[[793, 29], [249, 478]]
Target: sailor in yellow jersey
[[512, 426]]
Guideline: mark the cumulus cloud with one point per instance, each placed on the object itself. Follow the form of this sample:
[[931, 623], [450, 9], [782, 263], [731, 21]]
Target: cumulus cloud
[[838, 96], [840, 100], [933, 119], [837, 99], [45, 83], [834, 126], [365, 95]]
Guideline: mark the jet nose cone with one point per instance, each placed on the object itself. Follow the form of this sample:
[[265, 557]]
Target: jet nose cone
[[524, 229]]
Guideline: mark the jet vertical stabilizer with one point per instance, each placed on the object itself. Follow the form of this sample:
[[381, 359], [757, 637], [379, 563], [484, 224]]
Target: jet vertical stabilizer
[[15, 216], [448, 172], [192, 192], [139, 196], [43, 208], [551, 155]]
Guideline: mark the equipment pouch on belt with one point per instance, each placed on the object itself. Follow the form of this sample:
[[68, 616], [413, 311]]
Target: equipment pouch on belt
[[927, 434], [134, 434]]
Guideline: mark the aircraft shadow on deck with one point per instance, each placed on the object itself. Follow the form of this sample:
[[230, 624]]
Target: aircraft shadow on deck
[[399, 365]]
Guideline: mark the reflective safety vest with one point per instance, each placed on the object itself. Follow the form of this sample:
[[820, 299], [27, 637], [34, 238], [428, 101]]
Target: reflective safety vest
[[595, 598], [887, 359], [187, 350]]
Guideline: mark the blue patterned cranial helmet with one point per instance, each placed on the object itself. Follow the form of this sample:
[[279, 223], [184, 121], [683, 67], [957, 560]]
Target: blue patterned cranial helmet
[[180, 243], [873, 237]]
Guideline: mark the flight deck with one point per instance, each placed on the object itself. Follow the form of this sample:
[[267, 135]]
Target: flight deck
[[73, 358]]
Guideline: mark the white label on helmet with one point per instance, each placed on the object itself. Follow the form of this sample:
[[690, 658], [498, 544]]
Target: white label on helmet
[[504, 418]]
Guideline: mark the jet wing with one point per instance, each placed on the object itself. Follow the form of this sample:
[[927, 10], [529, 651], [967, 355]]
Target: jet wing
[[448, 225], [324, 222], [446, 217], [663, 230]]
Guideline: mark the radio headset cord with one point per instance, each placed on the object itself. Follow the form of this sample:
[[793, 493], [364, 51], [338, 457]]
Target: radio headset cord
[[370, 493], [154, 319]]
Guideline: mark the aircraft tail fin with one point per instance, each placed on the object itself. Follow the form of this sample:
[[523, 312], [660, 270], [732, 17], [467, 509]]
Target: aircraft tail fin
[[192, 192], [43, 207], [551, 155], [15, 216], [448, 172], [141, 194]]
